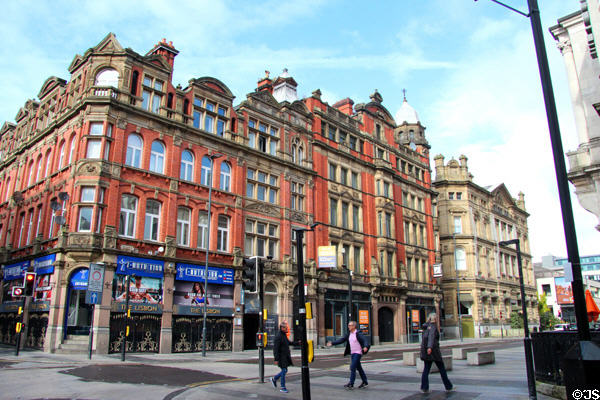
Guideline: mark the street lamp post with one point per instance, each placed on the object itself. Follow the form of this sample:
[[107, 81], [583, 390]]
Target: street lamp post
[[527, 339], [582, 361], [458, 312], [347, 268], [209, 180], [302, 310]]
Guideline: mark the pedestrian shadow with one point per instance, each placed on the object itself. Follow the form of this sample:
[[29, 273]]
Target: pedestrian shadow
[[442, 395]]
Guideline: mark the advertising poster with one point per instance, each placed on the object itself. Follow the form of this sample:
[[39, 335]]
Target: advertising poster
[[193, 294], [415, 320], [43, 290], [327, 257], [142, 289], [363, 321], [564, 292]]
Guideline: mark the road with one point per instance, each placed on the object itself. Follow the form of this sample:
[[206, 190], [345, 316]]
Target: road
[[36, 375]]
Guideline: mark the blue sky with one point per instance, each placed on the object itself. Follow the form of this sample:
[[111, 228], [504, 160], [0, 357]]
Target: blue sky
[[469, 69]]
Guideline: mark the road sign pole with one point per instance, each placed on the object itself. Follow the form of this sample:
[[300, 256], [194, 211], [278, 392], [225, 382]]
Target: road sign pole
[[91, 332]]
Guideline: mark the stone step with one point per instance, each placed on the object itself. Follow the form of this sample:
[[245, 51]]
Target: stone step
[[70, 351], [78, 338], [74, 346]]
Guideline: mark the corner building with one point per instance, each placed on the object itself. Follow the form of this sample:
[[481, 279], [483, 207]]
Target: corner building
[[478, 273], [119, 172]]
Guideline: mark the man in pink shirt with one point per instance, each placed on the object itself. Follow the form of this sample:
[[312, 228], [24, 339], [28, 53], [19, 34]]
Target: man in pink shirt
[[356, 345]]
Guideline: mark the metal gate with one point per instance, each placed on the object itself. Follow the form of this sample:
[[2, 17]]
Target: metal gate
[[36, 332], [8, 322], [144, 333], [187, 334]]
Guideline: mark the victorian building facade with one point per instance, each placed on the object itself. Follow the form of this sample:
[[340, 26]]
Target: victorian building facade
[[478, 274], [576, 38], [121, 173]]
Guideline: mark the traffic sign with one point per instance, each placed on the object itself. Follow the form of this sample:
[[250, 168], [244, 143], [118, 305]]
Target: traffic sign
[[93, 297], [17, 291], [93, 294]]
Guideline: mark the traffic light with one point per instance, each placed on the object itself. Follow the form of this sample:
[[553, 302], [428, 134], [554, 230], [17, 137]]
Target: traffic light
[[29, 283], [249, 275]]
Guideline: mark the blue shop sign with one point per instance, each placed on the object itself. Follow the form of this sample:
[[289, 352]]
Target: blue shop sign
[[79, 280], [15, 271], [127, 265], [195, 273], [44, 265]]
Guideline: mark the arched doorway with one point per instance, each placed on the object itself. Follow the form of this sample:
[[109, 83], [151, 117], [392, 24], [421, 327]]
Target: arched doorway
[[78, 315], [386, 324]]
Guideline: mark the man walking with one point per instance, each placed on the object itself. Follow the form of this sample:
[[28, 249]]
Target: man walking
[[282, 355], [430, 353], [356, 345]]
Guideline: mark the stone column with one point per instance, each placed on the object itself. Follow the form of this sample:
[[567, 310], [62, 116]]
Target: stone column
[[56, 316], [374, 316], [402, 320], [166, 326], [101, 340], [237, 340]]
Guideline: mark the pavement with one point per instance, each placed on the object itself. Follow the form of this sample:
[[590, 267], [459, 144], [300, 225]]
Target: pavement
[[227, 375]]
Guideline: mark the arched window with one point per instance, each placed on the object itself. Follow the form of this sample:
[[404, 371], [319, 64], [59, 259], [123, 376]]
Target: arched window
[[134, 151], [223, 233], [127, 217], [187, 166], [31, 171], [183, 226], [48, 163], [157, 157], [72, 150], [205, 172], [61, 154], [170, 100], [152, 220], [294, 155], [186, 107], [225, 176], [300, 158], [38, 174], [271, 298], [107, 77], [134, 82], [460, 259], [7, 190]]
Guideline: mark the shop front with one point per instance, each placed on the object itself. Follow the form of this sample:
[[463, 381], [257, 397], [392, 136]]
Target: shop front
[[417, 310], [12, 276], [189, 299], [145, 279], [337, 315]]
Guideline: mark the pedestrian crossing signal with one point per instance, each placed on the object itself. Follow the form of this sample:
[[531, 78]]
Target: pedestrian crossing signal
[[310, 347]]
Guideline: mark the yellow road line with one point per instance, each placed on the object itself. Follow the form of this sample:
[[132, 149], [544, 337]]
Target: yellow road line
[[192, 385]]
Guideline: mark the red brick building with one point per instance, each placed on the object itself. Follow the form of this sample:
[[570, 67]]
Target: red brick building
[[113, 172]]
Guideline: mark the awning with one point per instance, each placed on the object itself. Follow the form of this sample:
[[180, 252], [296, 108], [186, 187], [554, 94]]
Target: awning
[[466, 297]]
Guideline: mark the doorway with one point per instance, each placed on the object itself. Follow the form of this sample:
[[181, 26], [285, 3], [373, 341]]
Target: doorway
[[78, 315], [386, 324]]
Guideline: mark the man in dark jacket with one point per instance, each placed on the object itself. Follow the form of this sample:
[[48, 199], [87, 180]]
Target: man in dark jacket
[[430, 353], [282, 355], [356, 345]]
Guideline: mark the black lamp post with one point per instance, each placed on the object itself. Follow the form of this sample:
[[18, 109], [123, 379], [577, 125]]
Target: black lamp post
[[302, 310], [582, 361], [527, 339]]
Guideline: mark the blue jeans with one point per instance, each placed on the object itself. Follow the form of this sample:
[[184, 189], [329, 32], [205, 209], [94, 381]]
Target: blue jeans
[[281, 375], [355, 365], [443, 375]]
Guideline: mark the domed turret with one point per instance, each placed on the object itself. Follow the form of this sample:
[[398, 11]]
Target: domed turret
[[409, 131]]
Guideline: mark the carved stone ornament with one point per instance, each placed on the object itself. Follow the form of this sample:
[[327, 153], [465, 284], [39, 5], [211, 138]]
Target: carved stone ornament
[[263, 209]]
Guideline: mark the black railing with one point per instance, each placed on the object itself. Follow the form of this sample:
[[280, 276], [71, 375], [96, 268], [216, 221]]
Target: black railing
[[549, 349]]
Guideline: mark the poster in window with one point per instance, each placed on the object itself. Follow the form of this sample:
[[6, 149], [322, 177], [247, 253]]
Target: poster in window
[[564, 292], [142, 289]]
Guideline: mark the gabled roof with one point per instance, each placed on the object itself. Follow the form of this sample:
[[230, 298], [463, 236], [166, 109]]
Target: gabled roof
[[49, 85], [501, 194], [213, 84], [7, 126], [108, 45], [376, 100], [265, 97], [30, 107]]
